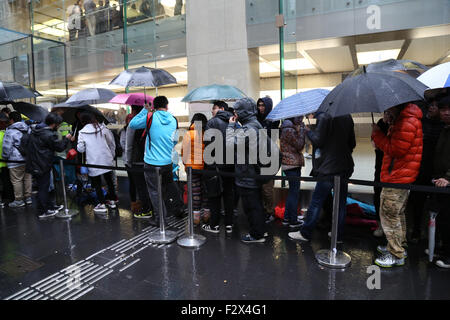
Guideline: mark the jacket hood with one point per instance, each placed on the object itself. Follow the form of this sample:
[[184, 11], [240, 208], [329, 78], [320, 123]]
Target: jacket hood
[[268, 103], [22, 126], [245, 108], [39, 128], [287, 124], [90, 128], [223, 115], [163, 116], [411, 110]]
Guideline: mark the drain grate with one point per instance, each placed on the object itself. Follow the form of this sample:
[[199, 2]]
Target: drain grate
[[19, 265]]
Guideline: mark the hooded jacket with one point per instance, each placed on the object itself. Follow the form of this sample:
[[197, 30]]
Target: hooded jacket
[[11, 142], [333, 142], [268, 103], [246, 110], [99, 145], [163, 133], [402, 146], [219, 122], [42, 144], [292, 141]]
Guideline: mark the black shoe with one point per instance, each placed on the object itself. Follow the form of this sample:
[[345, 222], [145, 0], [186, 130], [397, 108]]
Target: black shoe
[[269, 218], [295, 224], [48, 214]]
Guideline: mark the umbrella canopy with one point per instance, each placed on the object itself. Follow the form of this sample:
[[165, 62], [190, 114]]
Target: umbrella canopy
[[299, 104], [32, 111], [12, 90], [138, 99], [436, 78], [413, 68], [143, 77], [214, 92], [70, 111], [91, 96], [372, 92]]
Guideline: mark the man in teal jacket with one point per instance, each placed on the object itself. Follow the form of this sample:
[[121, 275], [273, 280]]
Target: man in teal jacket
[[160, 141]]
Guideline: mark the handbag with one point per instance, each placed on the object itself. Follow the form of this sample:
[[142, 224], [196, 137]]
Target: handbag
[[212, 185]]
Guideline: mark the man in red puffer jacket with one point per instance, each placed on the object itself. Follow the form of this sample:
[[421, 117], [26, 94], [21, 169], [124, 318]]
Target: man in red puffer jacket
[[402, 147]]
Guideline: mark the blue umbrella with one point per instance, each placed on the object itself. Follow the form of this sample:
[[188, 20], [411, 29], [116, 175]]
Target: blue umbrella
[[299, 104], [214, 92]]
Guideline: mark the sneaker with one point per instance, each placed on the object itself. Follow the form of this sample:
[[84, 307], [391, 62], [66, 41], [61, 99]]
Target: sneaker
[[208, 228], [111, 203], [235, 212], [338, 241], [100, 208], [266, 234], [57, 208], [379, 232], [388, 260], [443, 263], [285, 222], [48, 214], [384, 250], [296, 224], [29, 201], [300, 217], [17, 204], [297, 235], [435, 254], [249, 239], [229, 228], [143, 214], [270, 218]]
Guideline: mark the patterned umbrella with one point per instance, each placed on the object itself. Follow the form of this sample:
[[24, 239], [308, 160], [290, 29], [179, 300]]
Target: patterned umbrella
[[91, 96], [214, 92], [143, 77]]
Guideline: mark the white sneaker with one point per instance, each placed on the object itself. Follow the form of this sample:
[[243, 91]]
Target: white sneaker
[[29, 201], [297, 236], [388, 260], [48, 214], [58, 208], [16, 204], [443, 263], [208, 228], [379, 232], [100, 208], [229, 228], [384, 250]]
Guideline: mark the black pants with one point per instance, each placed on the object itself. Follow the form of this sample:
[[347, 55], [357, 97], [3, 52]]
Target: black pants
[[151, 178], [8, 191], [215, 204], [252, 203], [142, 191], [97, 184], [443, 223], [418, 200], [43, 185], [131, 186]]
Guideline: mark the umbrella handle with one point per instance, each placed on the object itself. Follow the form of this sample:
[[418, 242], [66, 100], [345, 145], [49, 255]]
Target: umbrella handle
[[373, 121], [308, 120]]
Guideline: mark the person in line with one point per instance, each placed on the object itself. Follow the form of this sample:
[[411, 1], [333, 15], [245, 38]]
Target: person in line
[[219, 121], [134, 151], [160, 141], [383, 124], [74, 21], [249, 188], [292, 142], [431, 127], [89, 10], [333, 142], [192, 155], [20, 180], [402, 148], [98, 142], [178, 7], [264, 107], [7, 187], [441, 178], [41, 146], [100, 18], [132, 189]]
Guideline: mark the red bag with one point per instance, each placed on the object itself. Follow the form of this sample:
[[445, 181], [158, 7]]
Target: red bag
[[71, 154]]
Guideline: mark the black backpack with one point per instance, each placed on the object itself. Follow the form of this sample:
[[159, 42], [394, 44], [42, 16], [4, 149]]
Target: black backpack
[[23, 146], [119, 150]]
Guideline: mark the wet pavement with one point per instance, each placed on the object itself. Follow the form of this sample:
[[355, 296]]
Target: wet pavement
[[115, 261]]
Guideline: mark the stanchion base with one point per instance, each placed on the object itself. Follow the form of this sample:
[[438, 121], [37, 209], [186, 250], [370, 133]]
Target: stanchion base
[[162, 237], [341, 260], [193, 241], [66, 213]]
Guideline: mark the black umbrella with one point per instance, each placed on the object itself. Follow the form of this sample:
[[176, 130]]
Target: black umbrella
[[32, 111], [12, 90], [143, 77], [372, 92], [70, 111], [411, 67], [91, 96]]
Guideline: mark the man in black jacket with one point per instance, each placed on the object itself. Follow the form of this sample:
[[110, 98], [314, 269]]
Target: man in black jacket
[[41, 146], [333, 142]]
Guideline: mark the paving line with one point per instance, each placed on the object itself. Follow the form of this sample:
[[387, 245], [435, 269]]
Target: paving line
[[79, 295], [30, 295], [130, 264], [61, 281], [102, 276], [71, 292], [16, 294]]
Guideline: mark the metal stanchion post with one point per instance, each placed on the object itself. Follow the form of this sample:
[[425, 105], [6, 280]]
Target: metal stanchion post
[[333, 258], [68, 213], [190, 240], [161, 235]]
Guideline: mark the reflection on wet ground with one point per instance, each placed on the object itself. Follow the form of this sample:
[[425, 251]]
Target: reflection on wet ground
[[118, 262]]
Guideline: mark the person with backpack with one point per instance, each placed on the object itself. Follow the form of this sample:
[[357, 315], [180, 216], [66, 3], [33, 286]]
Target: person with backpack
[[161, 138], [134, 154], [41, 144], [98, 142], [20, 180]]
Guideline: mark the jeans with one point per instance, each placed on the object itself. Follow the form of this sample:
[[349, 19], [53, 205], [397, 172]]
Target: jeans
[[290, 213], [252, 203], [43, 183], [319, 195], [151, 179]]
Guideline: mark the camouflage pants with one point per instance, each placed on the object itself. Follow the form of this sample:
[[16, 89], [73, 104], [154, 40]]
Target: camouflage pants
[[392, 216], [267, 195]]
